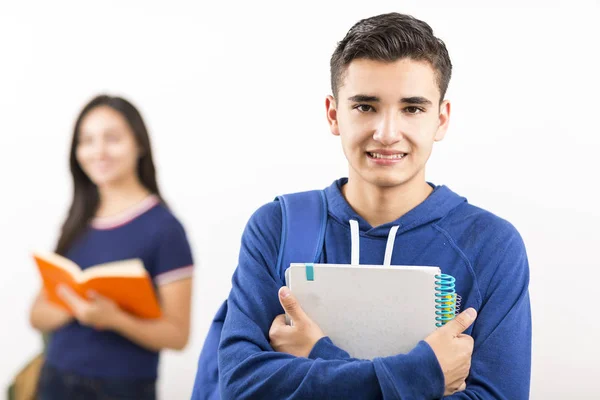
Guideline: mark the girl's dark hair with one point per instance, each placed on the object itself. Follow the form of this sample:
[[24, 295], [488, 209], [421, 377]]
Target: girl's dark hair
[[85, 193], [390, 37]]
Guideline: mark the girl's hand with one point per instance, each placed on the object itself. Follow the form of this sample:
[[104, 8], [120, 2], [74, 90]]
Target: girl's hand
[[97, 311]]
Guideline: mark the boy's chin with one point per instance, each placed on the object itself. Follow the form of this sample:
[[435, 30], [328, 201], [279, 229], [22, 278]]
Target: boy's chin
[[387, 180]]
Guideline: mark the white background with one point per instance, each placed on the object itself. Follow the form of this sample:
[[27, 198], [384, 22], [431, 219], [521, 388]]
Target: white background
[[233, 95]]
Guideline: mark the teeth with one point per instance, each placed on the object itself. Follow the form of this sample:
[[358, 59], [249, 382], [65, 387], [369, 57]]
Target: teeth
[[387, 157]]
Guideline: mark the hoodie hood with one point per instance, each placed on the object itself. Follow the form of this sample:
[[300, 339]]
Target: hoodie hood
[[436, 206]]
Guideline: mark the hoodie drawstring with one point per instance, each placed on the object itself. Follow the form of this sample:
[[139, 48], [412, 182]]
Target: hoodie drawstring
[[389, 247], [355, 244]]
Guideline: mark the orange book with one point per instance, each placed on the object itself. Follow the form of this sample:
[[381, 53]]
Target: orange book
[[126, 282]]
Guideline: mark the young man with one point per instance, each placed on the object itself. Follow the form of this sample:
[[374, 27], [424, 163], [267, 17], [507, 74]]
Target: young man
[[389, 76]]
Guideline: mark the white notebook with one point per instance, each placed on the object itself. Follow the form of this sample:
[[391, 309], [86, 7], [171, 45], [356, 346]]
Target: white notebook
[[373, 310]]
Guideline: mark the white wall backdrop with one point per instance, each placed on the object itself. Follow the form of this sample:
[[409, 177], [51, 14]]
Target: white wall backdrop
[[233, 94]]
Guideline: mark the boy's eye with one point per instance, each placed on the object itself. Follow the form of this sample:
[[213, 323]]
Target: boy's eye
[[413, 110], [363, 108]]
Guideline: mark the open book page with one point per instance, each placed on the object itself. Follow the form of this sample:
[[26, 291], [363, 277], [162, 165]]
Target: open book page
[[126, 282]]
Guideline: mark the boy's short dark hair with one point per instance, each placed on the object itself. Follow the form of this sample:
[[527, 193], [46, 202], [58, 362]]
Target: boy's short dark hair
[[390, 37]]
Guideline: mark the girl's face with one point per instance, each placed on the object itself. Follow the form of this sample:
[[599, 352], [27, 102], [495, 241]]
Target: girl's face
[[107, 150]]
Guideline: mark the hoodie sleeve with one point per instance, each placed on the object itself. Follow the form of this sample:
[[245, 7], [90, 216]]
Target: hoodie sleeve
[[501, 360], [250, 368], [326, 350]]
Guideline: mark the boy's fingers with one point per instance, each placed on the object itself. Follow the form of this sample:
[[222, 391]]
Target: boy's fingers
[[291, 306], [461, 322]]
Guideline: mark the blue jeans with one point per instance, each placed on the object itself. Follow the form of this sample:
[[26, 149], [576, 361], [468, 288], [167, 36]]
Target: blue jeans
[[58, 385]]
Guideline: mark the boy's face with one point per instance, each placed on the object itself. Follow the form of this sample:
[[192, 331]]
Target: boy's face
[[388, 116]]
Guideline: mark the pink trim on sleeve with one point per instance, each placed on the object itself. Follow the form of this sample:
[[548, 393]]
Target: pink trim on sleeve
[[174, 275]]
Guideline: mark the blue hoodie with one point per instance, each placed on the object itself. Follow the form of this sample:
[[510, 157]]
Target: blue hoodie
[[484, 253]]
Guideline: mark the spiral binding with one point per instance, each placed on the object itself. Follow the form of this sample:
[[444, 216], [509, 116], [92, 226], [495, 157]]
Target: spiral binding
[[445, 299], [458, 303]]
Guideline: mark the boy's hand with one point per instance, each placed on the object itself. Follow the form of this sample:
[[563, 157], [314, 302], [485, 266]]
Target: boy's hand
[[299, 339], [453, 350]]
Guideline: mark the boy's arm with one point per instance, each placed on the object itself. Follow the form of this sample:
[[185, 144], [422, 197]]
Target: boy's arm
[[501, 361], [248, 366]]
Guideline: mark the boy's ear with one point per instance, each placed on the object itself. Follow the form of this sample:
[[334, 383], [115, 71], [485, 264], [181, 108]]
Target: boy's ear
[[331, 109], [444, 121]]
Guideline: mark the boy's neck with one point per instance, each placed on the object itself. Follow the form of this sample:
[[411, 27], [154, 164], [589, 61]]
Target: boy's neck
[[380, 205]]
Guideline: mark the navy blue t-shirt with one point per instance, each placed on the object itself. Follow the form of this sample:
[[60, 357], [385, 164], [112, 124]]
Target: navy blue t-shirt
[[147, 231]]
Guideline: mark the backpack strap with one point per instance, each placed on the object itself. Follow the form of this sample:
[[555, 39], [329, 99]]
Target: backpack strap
[[303, 223]]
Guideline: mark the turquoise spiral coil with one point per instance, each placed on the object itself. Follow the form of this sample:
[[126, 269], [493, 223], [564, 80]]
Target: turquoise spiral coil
[[445, 299]]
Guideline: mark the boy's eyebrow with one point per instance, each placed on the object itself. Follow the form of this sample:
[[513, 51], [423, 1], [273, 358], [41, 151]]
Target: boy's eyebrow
[[416, 100], [363, 98]]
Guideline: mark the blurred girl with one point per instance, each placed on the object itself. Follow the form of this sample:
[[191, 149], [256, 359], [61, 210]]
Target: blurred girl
[[117, 213]]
